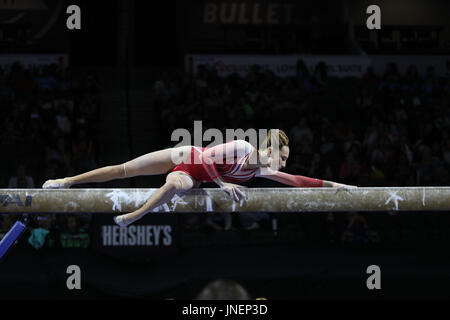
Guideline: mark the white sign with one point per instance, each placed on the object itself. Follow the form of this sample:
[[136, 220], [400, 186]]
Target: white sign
[[403, 62], [33, 60], [281, 65]]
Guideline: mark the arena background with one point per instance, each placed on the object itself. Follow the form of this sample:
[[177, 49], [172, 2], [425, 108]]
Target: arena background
[[363, 107]]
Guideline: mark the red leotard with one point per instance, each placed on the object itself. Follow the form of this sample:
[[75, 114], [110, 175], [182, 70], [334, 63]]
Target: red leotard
[[227, 161], [205, 165]]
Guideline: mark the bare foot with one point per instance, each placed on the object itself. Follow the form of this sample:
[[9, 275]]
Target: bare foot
[[120, 220]]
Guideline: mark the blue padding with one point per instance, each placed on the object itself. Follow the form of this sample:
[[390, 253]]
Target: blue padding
[[11, 237]]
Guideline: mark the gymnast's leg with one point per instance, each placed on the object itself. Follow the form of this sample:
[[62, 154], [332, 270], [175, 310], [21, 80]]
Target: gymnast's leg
[[158, 162], [176, 182]]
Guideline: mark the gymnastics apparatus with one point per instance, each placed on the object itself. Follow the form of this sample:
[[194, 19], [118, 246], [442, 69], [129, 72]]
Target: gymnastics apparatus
[[274, 200]]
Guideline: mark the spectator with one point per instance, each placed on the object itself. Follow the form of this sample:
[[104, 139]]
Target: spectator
[[316, 169], [331, 228], [60, 155], [357, 230], [302, 75], [350, 169], [21, 180], [83, 151], [73, 235], [63, 121], [430, 82], [6, 223], [10, 136], [219, 221], [45, 235], [321, 74], [46, 80], [369, 79], [191, 221], [411, 81], [300, 132], [403, 171], [21, 81], [34, 129], [365, 100], [83, 158], [427, 169], [252, 220]]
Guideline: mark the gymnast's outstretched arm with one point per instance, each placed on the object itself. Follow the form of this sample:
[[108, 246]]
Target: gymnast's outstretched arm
[[298, 181]]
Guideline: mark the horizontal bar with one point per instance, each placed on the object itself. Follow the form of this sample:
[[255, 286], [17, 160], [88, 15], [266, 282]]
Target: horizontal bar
[[216, 200]]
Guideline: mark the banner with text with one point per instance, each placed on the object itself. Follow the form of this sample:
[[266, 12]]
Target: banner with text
[[439, 63], [33, 60], [153, 236], [281, 65]]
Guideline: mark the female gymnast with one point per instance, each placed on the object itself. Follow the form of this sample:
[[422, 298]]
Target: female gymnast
[[225, 164]]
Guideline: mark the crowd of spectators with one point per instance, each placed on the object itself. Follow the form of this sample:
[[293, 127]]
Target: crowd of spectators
[[49, 117], [387, 129]]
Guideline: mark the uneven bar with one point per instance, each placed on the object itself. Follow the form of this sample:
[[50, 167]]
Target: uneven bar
[[215, 200]]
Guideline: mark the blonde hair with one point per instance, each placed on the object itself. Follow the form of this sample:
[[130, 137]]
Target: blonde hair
[[283, 139]]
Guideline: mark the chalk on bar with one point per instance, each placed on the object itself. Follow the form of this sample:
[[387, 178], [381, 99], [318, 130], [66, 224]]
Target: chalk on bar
[[11, 237]]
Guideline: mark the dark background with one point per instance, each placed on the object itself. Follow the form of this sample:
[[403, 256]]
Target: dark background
[[105, 107]]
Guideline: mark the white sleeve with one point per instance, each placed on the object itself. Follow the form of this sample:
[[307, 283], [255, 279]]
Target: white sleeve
[[264, 172], [242, 148], [229, 151]]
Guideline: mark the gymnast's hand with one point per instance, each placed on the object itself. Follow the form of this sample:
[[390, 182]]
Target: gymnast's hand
[[233, 190]]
